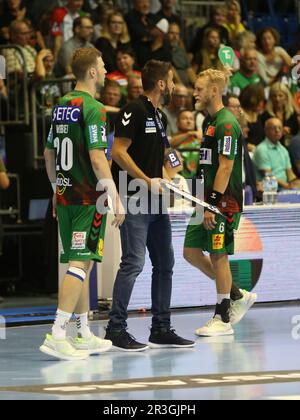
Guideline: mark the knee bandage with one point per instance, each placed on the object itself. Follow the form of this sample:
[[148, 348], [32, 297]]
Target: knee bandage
[[78, 273]]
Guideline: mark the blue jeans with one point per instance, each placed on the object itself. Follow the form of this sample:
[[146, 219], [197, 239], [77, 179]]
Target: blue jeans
[[137, 233]]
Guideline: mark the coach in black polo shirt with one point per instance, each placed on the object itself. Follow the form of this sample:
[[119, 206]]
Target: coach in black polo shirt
[[139, 149]]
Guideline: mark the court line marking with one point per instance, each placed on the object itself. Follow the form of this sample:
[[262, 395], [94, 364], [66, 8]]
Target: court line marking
[[159, 383]]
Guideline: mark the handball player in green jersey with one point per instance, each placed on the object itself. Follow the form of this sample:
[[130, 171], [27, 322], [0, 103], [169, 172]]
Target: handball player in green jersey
[[75, 162], [221, 160]]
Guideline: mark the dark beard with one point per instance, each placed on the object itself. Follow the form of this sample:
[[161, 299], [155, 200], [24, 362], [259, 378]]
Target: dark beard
[[167, 97]]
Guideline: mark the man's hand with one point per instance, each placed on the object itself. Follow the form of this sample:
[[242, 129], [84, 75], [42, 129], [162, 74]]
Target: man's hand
[[44, 53], [155, 186], [209, 221], [54, 207], [119, 214]]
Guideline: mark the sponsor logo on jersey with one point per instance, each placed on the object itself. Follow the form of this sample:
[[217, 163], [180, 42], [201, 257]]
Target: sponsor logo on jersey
[[100, 248], [78, 240], [93, 131], [62, 129], [227, 145], [205, 156], [103, 135], [62, 183], [66, 114], [236, 147], [218, 241], [211, 131], [228, 129]]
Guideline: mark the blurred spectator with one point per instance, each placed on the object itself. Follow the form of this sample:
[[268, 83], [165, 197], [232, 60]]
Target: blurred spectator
[[100, 19], [233, 24], [12, 10], [271, 58], [180, 100], [125, 69], [16, 10], [62, 21], [233, 104], [114, 35], [281, 106], [44, 65], [166, 12], [245, 40], [217, 20], [83, 32], [188, 142], [48, 94], [20, 34], [252, 100], [247, 75], [139, 20], [135, 88], [180, 58], [207, 56], [271, 157], [294, 150], [157, 48], [111, 94]]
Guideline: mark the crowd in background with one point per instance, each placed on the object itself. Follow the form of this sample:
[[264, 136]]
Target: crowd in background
[[262, 91]]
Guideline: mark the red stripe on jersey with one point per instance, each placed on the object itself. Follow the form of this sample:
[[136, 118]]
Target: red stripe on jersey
[[77, 102]]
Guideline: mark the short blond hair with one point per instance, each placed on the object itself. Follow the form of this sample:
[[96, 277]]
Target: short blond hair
[[83, 59], [216, 77]]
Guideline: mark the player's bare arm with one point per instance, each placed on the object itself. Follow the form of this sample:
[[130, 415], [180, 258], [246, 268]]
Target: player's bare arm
[[49, 156], [102, 171], [220, 184]]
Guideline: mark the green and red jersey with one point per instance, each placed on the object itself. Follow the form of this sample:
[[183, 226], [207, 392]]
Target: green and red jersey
[[78, 126], [223, 136]]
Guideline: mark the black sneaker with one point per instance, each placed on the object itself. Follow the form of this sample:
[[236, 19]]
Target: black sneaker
[[123, 341], [166, 337]]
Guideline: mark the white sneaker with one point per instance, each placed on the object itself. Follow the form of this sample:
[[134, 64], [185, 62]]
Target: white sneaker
[[62, 349], [215, 328], [94, 345], [239, 308]]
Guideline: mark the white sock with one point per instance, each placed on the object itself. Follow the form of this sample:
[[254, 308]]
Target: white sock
[[82, 324], [59, 330], [222, 297]]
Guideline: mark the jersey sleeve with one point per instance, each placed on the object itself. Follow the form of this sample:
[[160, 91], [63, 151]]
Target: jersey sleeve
[[95, 128], [50, 138], [127, 123], [228, 134]]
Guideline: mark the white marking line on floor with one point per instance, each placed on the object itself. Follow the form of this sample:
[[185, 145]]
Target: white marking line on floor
[[285, 398]]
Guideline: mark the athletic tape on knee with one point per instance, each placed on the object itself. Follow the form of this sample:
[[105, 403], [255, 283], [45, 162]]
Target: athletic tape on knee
[[79, 273]]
